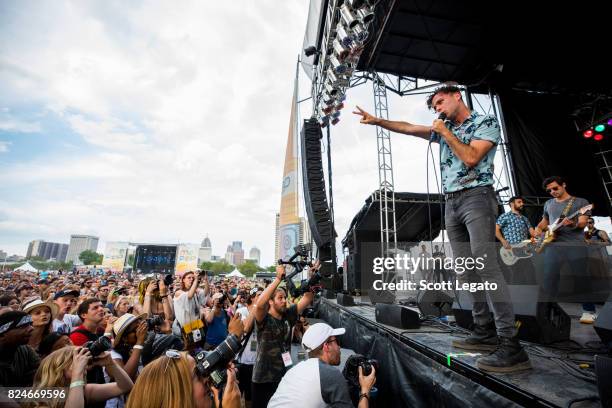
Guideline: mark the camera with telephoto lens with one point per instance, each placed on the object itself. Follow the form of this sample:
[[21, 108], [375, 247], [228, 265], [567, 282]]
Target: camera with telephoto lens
[[351, 368], [99, 346], [351, 373], [213, 364], [155, 321]]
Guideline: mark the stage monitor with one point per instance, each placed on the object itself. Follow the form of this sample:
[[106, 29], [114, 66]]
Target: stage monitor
[[155, 258]]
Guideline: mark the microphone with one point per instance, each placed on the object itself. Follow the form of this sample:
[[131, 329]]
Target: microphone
[[441, 116], [502, 189]]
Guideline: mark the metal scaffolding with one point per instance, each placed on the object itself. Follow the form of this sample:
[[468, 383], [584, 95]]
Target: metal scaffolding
[[386, 197]]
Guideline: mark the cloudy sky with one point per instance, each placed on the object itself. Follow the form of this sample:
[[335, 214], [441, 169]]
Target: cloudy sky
[[150, 122]]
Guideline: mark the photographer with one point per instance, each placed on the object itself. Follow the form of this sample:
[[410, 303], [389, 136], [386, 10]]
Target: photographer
[[91, 313], [216, 322], [156, 300], [315, 382], [68, 367], [274, 321], [187, 303], [178, 381]]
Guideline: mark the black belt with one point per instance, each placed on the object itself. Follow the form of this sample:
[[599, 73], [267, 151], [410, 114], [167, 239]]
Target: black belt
[[456, 194]]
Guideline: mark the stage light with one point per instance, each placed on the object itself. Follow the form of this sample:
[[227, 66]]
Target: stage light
[[339, 106], [323, 121], [327, 110], [359, 34], [366, 15], [355, 4], [609, 122], [335, 121], [340, 97], [600, 128], [348, 17], [332, 76], [339, 67], [343, 36], [342, 50], [330, 89], [310, 51], [327, 98], [335, 115], [598, 137], [588, 133]]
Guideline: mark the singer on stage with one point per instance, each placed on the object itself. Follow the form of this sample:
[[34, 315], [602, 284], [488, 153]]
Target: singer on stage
[[468, 142]]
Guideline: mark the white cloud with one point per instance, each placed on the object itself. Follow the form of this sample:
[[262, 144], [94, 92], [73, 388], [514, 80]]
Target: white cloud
[[11, 125], [184, 112], [4, 146]]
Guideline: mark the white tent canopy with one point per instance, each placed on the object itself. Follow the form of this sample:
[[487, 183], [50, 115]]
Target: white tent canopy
[[26, 267], [234, 273]]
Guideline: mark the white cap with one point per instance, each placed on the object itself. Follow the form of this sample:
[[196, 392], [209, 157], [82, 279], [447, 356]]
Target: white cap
[[316, 335]]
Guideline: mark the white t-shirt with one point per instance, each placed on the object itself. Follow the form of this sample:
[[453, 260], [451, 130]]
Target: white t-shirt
[[249, 355], [312, 384], [66, 325], [187, 310]]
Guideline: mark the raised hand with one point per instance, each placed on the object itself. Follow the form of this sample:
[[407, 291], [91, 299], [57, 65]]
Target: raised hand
[[366, 118]]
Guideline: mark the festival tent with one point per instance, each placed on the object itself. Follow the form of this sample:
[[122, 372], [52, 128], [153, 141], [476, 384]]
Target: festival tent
[[235, 273], [26, 267]]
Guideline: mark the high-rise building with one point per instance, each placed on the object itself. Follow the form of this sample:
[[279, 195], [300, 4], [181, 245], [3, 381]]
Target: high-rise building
[[47, 250], [255, 255], [3, 255], [78, 244], [237, 253], [229, 255], [205, 251]]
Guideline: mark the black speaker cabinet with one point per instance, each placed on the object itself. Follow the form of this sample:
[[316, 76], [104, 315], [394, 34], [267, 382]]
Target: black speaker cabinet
[[434, 303], [397, 316]]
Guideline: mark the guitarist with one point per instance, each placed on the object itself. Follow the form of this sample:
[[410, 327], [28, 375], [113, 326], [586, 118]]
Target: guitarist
[[512, 228], [569, 246]]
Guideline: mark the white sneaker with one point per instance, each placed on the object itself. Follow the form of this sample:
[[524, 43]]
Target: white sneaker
[[588, 318]]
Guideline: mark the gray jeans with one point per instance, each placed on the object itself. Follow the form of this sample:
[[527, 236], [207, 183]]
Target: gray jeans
[[470, 223]]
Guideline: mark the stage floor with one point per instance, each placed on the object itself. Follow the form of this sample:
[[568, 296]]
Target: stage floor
[[547, 384]]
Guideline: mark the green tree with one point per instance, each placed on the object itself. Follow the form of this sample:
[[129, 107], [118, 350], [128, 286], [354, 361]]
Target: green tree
[[131, 260], [206, 265], [90, 257], [271, 268], [221, 267], [249, 268]]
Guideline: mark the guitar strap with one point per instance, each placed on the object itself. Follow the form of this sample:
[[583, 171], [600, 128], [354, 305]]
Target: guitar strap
[[568, 207]]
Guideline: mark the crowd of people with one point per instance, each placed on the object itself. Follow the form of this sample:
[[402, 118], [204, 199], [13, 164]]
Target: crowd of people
[[117, 340]]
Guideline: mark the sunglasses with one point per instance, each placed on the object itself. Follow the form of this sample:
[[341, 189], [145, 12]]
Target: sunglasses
[[548, 190], [331, 341]]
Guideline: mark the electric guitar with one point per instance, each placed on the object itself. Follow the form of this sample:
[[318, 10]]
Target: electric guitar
[[550, 235], [522, 250]]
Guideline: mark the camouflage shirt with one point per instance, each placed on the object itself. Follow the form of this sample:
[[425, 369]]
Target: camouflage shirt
[[273, 338]]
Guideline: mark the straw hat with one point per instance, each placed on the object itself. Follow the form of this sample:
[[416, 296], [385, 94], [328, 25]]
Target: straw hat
[[30, 305], [122, 324]]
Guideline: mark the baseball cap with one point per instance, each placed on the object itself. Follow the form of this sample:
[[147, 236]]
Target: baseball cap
[[254, 290], [316, 335], [66, 292]]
